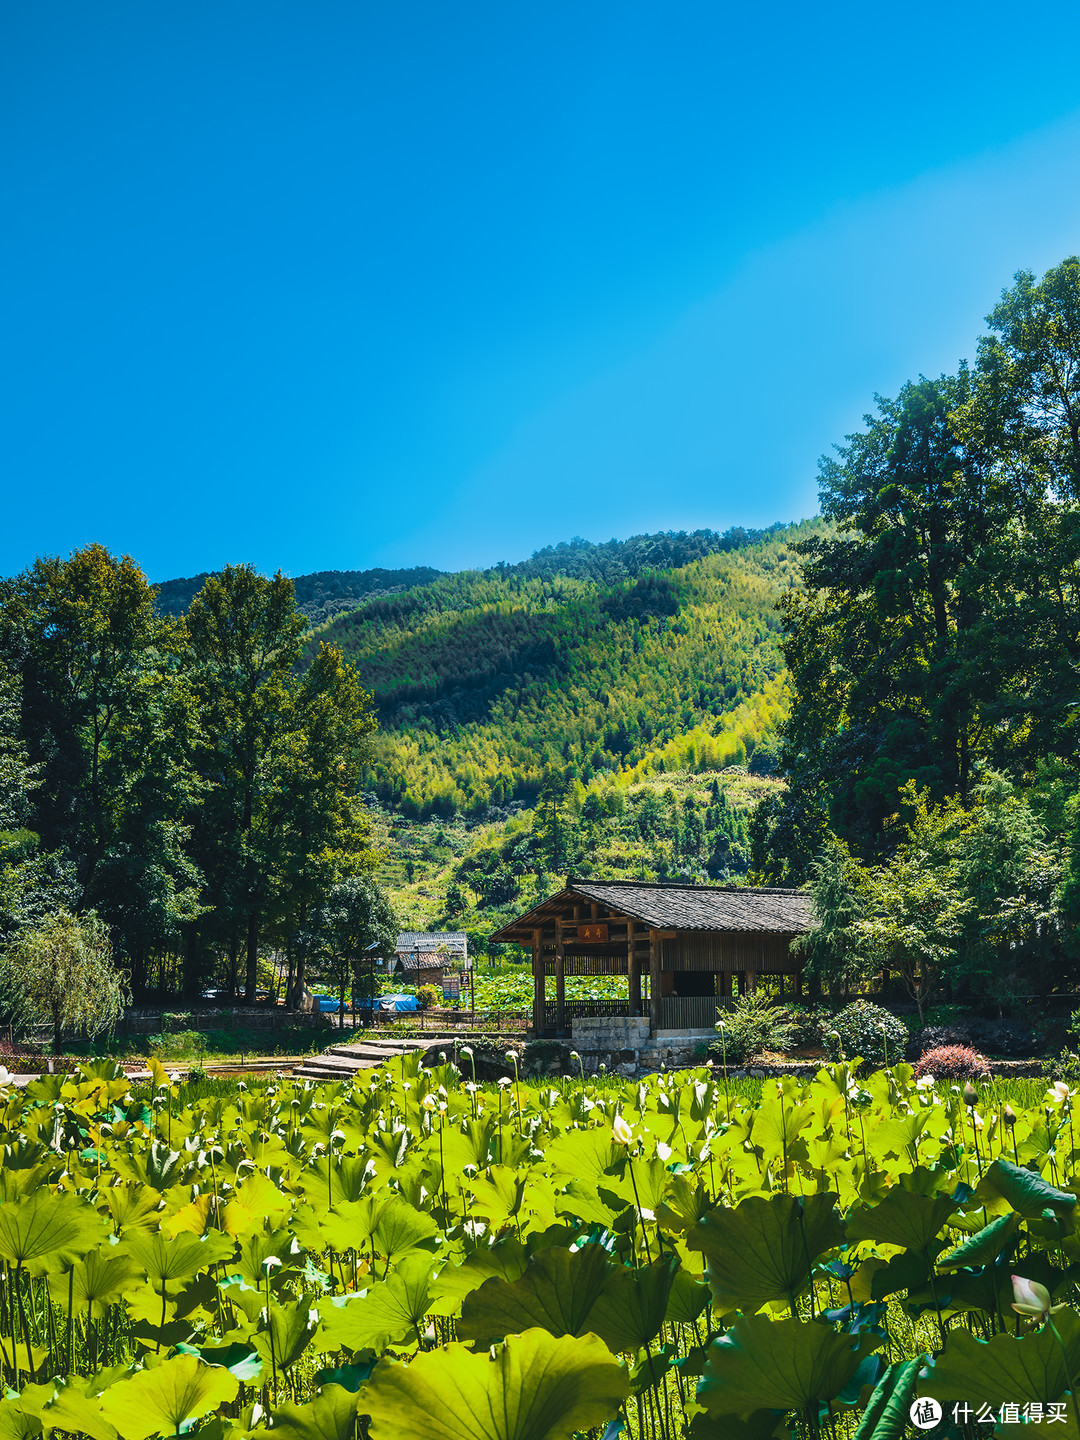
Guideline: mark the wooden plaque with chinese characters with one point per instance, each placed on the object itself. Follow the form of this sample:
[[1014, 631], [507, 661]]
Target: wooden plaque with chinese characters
[[592, 931]]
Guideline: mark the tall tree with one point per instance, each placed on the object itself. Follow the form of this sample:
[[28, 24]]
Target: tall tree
[[323, 830], [888, 645], [106, 722], [940, 627], [282, 821], [244, 632]]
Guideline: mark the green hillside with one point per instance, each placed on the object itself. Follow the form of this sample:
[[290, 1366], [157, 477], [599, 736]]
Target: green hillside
[[474, 875], [319, 596], [588, 661]]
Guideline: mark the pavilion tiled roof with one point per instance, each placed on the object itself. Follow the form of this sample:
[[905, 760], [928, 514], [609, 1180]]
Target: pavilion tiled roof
[[763, 909]]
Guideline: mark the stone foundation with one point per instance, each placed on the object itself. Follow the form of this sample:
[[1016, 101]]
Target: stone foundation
[[624, 1045]]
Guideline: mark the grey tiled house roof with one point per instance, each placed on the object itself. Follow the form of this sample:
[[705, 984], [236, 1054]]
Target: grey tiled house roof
[[428, 941], [418, 960]]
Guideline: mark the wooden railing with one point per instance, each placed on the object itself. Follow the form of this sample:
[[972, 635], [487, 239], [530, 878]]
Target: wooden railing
[[687, 1012], [579, 1009]]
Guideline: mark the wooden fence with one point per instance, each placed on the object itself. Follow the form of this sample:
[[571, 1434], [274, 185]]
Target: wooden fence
[[687, 1012]]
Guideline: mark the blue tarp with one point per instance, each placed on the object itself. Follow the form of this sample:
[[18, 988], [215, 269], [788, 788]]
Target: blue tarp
[[402, 1004]]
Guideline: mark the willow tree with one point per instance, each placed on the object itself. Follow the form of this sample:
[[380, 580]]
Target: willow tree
[[62, 971]]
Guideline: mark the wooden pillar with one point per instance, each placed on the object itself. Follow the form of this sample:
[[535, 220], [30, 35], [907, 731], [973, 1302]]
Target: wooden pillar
[[654, 981], [633, 972], [539, 1018], [723, 984], [798, 984], [560, 978], [751, 981]]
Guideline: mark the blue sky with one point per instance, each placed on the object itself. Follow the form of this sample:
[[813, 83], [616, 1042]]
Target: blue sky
[[341, 284]]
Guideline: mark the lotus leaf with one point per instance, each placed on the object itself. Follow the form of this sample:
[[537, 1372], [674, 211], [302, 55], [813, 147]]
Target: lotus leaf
[[388, 1313], [886, 1413], [401, 1228], [537, 1387], [236, 1356], [556, 1293], [506, 1259], [289, 1331], [985, 1245], [47, 1232], [1025, 1190], [330, 1416], [1006, 1367], [161, 1400], [95, 1281], [631, 1308], [165, 1261], [763, 1249], [902, 1218], [779, 1365], [74, 1407]]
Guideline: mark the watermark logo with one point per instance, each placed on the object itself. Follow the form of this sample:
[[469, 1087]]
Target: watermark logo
[[925, 1413]]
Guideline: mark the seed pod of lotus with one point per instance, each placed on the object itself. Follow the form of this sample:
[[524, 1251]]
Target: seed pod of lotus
[[1009, 1116]]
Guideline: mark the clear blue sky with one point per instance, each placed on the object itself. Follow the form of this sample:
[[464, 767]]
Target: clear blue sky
[[334, 285]]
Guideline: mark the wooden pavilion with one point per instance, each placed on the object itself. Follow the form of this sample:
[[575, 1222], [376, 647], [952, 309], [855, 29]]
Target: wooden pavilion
[[682, 947]]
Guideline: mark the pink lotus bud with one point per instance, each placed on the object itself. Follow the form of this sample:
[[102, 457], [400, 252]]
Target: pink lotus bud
[[1029, 1297]]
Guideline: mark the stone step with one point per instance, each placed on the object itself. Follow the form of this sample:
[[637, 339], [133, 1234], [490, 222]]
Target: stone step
[[323, 1072], [346, 1062], [335, 1066], [375, 1053]]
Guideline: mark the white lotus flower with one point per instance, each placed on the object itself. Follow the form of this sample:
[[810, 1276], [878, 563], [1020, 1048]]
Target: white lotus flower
[[621, 1132]]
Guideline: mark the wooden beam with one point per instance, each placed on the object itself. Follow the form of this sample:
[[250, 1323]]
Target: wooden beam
[[538, 983], [654, 980], [633, 972], [560, 979]]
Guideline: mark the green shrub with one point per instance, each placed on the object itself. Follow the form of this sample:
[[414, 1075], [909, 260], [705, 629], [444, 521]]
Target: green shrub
[[428, 995], [176, 1045], [867, 1030], [809, 1023], [754, 1023]]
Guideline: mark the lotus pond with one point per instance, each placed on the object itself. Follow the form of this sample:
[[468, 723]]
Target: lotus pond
[[418, 1257]]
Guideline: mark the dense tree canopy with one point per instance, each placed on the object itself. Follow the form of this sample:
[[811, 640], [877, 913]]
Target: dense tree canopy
[[932, 748], [181, 779], [939, 629]]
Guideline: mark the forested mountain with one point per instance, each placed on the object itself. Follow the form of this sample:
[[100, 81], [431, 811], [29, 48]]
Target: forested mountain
[[486, 681], [326, 593], [319, 596]]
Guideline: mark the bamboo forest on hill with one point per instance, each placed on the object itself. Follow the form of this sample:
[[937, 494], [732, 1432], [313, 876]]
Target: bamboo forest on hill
[[483, 682]]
